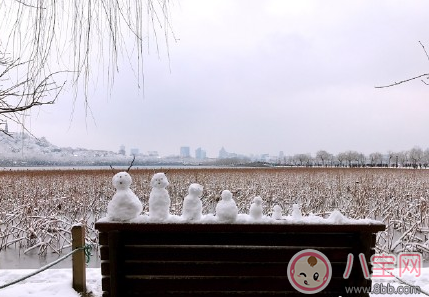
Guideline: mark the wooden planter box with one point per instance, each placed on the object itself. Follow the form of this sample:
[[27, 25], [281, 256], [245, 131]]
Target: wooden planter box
[[193, 259]]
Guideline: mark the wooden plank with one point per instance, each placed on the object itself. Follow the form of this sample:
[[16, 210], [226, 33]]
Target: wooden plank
[[239, 228], [225, 253], [104, 252], [208, 268], [103, 238], [229, 238], [229, 294], [114, 262], [232, 284]]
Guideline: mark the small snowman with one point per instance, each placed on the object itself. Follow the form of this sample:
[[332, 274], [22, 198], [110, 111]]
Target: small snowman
[[125, 205], [255, 210], [296, 212], [277, 212], [226, 209], [192, 205], [159, 199]]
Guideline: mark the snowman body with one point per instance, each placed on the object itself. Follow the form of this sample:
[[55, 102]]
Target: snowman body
[[125, 205], [255, 211], [277, 212], [296, 212], [226, 209], [159, 199], [192, 205]]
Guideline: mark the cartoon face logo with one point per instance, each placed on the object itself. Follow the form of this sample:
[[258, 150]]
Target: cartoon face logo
[[309, 271]]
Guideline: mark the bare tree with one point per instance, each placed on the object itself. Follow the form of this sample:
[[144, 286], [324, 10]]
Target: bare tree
[[415, 156], [426, 158], [323, 156], [48, 44], [341, 157], [422, 77], [402, 159], [375, 159], [19, 94], [352, 157], [302, 159]]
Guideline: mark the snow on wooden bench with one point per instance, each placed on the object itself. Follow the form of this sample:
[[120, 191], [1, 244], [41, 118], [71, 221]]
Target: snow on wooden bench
[[206, 258]]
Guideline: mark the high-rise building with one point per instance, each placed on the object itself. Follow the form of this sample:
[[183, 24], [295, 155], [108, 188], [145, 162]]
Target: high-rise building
[[122, 150], [223, 154], [200, 154], [134, 152], [185, 152]]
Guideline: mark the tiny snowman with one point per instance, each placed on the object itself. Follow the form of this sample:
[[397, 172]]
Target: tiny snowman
[[192, 205], [226, 209], [296, 212], [159, 199], [125, 205], [277, 212], [255, 211]]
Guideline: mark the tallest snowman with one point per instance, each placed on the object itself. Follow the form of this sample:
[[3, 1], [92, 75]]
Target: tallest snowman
[[159, 199]]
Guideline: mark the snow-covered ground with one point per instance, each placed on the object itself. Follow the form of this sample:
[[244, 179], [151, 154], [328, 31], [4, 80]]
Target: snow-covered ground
[[57, 282], [51, 282]]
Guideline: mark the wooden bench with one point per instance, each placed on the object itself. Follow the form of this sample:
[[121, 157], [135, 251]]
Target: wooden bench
[[225, 259]]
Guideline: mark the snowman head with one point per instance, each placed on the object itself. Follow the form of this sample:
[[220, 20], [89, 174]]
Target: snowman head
[[195, 190], [257, 200], [226, 195], [277, 208], [159, 180], [121, 181]]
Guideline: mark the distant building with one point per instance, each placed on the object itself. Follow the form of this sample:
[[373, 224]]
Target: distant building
[[265, 157], [134, 152], [153, 154], [223, 154], [122, 150], [185, 152], [200, 154]]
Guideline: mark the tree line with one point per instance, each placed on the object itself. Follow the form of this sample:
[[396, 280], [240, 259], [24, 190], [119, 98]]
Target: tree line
[[414, 158]]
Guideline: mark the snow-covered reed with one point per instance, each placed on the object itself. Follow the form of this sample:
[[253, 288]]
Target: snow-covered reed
[[38, 208]]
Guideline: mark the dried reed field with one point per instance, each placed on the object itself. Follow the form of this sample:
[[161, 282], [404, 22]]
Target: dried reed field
[[39, 207]]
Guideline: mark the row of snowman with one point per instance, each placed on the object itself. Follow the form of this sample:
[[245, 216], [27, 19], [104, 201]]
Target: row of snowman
[[125, 205]]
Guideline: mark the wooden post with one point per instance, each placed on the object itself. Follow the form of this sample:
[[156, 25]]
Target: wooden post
[[78, 259]]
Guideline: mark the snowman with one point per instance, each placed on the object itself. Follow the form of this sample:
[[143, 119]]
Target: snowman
[[296, 212], [125, 205], [277, 212], [226, 209], [192, 205], [255, 210], [159, 199]]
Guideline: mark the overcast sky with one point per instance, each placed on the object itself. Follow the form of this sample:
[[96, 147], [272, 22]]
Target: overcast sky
[[262, 77]]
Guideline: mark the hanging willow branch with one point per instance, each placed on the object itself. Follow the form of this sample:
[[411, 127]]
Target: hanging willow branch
[[65, 43]]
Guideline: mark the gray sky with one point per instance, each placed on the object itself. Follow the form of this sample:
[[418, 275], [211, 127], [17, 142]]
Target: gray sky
[[263, 77]]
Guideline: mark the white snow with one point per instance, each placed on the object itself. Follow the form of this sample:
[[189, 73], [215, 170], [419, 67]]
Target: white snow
[[192, 205], [277, 212], [125, 205], [51, 282], [226, 209], [159, 199], [296, 212], [255, 211]]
